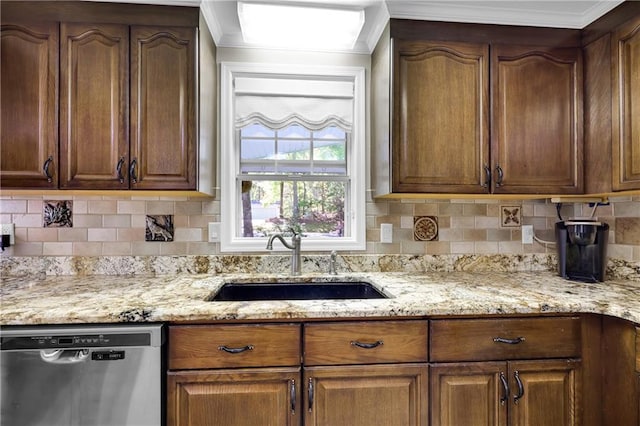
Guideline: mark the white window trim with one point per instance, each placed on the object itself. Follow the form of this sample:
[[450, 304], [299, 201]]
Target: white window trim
[[229, 158]]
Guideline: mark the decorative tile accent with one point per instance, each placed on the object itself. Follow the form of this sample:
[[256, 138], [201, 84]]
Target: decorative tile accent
[[57, 214], [425, 228], [510, 216], [159, 228]]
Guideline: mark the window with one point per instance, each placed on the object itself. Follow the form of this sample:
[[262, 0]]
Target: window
[[292, 156]]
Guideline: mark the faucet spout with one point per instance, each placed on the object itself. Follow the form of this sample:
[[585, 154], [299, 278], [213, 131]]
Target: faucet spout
[[296, 241]]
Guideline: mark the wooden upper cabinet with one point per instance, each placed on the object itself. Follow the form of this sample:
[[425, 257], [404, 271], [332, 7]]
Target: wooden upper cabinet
[[29, 136], [441, 121], [537, 123], [625, 47], [94, 118], [163, 109]]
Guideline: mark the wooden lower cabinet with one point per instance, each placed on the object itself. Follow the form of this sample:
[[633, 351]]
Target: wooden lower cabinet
[[515, 393], [234, 397], [394, 394]]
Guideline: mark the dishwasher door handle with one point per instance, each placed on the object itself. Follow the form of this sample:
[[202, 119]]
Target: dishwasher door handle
[[64, 356]]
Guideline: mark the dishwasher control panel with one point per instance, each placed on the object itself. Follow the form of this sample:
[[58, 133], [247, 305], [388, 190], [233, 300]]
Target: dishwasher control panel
[[74, 341]]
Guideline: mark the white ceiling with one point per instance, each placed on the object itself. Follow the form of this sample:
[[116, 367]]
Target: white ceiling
[[223, 21]]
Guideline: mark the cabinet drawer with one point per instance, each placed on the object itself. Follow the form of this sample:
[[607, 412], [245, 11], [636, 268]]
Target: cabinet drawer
[[222, 346], [503, 339], [365, 342]]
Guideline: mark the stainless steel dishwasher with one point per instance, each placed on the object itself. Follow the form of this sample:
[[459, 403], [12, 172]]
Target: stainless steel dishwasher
[[81, 376]]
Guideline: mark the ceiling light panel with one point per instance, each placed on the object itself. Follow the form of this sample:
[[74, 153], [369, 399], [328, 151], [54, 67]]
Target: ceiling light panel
[[299, 27]]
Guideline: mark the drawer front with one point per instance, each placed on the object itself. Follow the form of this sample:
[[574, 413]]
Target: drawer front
[[223, 346], [503, 339], [365, 342]]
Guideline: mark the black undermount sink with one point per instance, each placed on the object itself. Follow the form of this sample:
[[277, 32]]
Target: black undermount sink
[[296, 291]]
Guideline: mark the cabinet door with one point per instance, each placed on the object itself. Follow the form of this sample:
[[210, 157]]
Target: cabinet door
[[544, 393], [440, 118], [163, 144], [382, 395], [242, 397], [626, 106], [469, 394], [537, 125], [94, 106], [29, 136]]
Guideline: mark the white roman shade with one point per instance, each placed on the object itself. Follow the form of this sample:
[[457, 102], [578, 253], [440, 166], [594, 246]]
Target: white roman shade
[[280, 102]]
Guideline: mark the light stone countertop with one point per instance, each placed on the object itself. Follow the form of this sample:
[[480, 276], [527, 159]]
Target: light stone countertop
[[181, 298]]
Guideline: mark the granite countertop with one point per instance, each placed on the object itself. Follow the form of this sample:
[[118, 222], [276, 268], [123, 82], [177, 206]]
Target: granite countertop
[[181, 298]]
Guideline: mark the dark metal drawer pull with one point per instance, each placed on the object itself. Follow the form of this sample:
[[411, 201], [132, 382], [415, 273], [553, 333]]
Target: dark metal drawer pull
[[310, 394], [119, 170], [520, 394], [45, 169], [235, 350], [508, 341], [292, 395], [505, 389], [367, 345]]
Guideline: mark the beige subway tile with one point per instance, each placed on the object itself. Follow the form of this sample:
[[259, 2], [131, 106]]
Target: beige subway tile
[[101, 234], [401, 209], [636, 254], [373, 234], [462, 247], [102, 207], [447, 209], [83, 248], [474, 209], [188, 207], [400, 234], [114, 197], [498, 235], [80, 207], [131, 207], [619, 199], [34, 206], [629, 209], [27, 220], [21, 234], [444, 222], [427, 209], [450, 234], [173, 198], [494, 210], [5, 218], [188, 234], [25, 249], [42, 234], [202, 248], [144, 198], [200, 221], [139, 221], [462, 222], [527, 209], [116, 248], [438, 247], [130, 234], [413, 247], [145, 248], [173, 248], [485, 222], [394, 220], [406, 222], [211, 207], [160, 207], [370, 222], [486, 247], [57, 249], [380, 208], [474, 234], [620, 251], [385, 248], [72, 234], [116, 221], [87, 221], [180, 221], [510, 247]]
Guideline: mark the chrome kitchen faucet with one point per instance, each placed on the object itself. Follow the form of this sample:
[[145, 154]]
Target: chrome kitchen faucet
[[296, 240]]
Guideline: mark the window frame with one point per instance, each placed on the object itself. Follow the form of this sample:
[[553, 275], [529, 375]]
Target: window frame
[[230, 157]]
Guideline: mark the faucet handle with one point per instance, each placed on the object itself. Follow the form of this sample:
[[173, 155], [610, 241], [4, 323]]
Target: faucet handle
[[332, 263]]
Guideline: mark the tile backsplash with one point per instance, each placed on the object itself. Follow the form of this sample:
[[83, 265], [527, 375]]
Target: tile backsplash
[[118, 225]]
